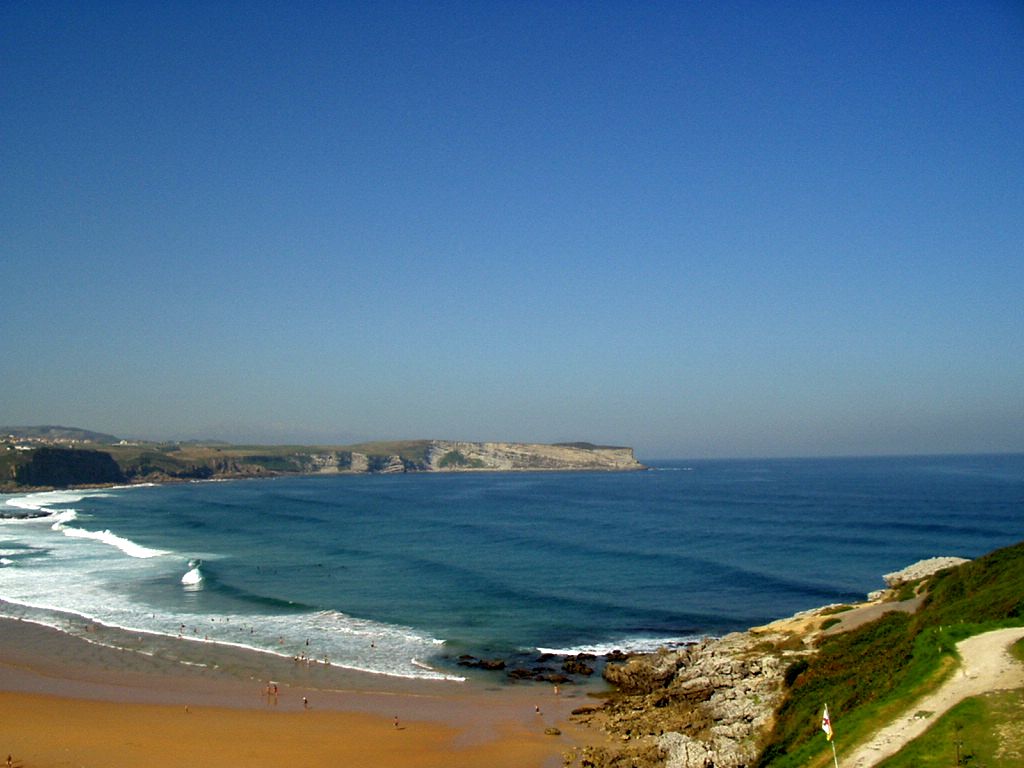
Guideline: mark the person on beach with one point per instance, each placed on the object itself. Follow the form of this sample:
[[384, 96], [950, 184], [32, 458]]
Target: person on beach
[[396, 722]]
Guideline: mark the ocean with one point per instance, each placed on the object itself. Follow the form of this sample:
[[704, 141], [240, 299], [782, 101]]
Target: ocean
[[398, 575]]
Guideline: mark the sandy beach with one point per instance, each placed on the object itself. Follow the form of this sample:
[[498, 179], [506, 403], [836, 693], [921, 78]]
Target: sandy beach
[[67, 702]]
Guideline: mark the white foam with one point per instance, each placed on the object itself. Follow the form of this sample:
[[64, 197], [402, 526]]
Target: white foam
[[6, 561], [626, 645], [44, 500], [77, 577], [345, 642], [192, 577], [127, 546], [63, 517]]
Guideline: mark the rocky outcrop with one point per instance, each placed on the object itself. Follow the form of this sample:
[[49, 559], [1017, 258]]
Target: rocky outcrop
[[922, 569], [325, 463], [389, 465], [447, 456], [711, 704], [703, 705]]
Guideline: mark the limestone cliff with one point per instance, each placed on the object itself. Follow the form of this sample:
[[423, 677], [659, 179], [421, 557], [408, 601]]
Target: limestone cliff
[[161, 462], [447, 456]]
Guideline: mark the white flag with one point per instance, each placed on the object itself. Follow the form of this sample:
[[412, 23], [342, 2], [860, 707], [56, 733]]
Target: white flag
[[826, 724]]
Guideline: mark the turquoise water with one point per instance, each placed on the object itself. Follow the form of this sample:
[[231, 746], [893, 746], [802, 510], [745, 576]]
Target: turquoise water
[[399, 574]]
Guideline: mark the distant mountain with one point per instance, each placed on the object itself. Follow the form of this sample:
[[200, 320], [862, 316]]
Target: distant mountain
[[59, 433]]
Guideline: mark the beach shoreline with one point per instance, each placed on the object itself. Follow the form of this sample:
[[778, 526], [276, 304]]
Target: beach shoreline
[[117, 706], [71, 702]]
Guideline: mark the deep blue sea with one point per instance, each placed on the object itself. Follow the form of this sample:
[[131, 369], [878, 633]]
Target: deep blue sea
[[398, 574]]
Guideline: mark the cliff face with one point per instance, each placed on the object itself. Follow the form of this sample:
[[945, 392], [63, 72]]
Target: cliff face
[[447, 456], [157, 463], [461, 456], [705, 705], [66, 466]]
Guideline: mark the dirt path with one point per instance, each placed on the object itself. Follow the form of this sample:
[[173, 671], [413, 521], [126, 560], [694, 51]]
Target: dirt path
[[986, 666], [864, 613]]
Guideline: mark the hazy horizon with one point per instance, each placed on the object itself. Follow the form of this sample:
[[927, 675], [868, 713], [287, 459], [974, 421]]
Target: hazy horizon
[[736, 230]]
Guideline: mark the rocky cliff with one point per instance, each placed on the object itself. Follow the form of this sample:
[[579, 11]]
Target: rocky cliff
[[705, 705], [447, 456], [68, 466], [159, 462], [461, 456]]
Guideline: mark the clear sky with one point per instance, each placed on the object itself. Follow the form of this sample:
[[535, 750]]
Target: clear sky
[[700, 229]]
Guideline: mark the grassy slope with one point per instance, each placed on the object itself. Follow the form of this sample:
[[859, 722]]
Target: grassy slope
[[868, 675], [985, 728]]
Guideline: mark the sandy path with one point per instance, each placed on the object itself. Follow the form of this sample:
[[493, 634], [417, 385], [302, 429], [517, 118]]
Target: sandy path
[[863, 614], [986, 666]]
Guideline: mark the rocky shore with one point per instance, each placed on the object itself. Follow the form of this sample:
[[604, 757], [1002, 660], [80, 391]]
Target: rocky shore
[[710, 704], [703, 705]]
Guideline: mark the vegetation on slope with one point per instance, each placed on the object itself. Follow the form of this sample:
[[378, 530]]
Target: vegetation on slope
[[979, 731], [68, 466], [868, 674], [413, 451], [458, 459]]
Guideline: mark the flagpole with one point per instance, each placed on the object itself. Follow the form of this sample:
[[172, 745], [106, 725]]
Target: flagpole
[[826, 726]]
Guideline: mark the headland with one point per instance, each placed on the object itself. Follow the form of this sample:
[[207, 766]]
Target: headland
[[755, 698], [61, 457]]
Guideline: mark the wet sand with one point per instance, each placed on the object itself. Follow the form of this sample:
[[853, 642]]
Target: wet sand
[[68, 702]]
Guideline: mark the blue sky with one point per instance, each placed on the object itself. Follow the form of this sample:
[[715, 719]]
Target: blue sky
[[701, 229]]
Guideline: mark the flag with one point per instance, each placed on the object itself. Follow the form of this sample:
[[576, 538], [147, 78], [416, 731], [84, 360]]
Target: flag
[[826, 724]]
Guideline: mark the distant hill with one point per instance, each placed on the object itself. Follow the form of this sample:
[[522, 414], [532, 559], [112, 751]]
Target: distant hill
[[62, 434], [51, 459]]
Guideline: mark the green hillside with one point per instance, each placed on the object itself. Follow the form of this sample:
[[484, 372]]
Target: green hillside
[[868, 675]]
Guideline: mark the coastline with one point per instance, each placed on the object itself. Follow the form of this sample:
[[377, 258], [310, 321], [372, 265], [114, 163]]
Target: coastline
[[58, 464], [36, 666], [66, 699], [120, 707], [14, 489]]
